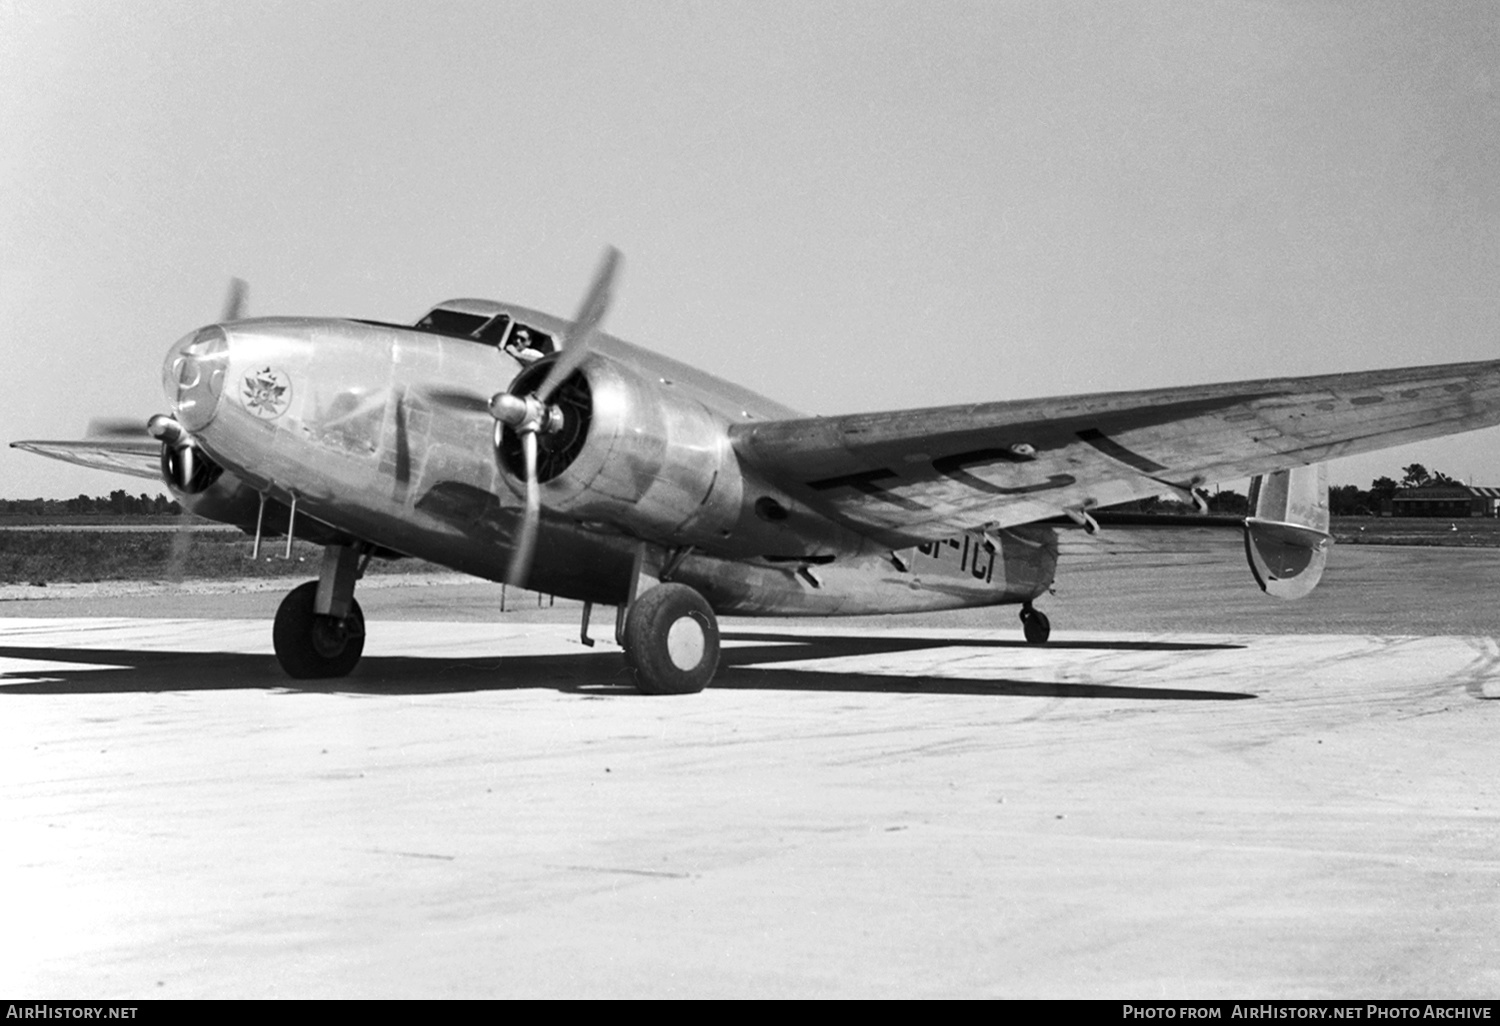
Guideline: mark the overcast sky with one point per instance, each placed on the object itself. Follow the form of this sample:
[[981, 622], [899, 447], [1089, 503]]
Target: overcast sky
[[846, 206]]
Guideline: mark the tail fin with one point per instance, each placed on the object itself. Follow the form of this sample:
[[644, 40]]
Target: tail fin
[[1286, 533]]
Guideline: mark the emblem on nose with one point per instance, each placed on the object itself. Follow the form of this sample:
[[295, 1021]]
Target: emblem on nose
[[266, 393]]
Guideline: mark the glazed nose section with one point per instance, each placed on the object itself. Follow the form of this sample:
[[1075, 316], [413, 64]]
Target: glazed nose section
[[193, 376]]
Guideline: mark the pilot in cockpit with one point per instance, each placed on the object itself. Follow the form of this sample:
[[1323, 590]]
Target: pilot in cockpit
[[522, 346]]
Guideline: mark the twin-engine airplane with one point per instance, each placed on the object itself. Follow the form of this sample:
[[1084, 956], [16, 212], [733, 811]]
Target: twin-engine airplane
[[518, 447]]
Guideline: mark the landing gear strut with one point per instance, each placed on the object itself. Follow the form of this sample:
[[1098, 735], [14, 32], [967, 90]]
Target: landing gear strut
[[671, 640], [320, 630], [1035, 625]]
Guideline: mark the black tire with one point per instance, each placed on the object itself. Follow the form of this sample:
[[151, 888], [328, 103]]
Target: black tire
[[1035, 625], [671, 641], [313, 647]]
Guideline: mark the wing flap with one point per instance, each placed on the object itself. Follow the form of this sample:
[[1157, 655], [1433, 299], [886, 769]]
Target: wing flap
[[137, 458], [915, 474]]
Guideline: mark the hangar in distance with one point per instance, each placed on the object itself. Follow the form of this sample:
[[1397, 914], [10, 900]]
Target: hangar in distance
[[521, 447]]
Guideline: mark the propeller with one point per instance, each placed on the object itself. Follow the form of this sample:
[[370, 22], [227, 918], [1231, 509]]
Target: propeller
[[580, 334], [531, 415], [455, 399], [179, 465], [234, 300], [127, 429], [525, 543], [174, 436]]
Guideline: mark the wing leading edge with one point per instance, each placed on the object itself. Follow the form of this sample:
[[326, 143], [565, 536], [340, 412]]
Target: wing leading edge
[[910, 475]]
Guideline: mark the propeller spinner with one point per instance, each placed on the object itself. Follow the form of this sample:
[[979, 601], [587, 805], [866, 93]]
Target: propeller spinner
[[533, 414]]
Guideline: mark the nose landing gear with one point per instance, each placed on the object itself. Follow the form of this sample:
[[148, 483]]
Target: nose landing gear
[[320, 629], [312, 645]]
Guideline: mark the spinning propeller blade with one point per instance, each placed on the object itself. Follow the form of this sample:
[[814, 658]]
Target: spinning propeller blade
[[530, 415], [525, 543], [123, 428], [580, 335], [234, 300]]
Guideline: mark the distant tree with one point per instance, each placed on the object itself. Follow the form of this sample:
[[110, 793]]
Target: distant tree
[[1440, 478], [1348, 501], [117, 503], [1415, 476], [1229, 502], [1382, 490]]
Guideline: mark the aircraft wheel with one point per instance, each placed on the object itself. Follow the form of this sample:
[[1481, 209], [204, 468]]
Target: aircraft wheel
[[309, 646], [1035, 625], [671, 641]]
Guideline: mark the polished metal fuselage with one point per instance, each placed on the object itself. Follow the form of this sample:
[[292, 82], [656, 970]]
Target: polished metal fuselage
[[381, 435]]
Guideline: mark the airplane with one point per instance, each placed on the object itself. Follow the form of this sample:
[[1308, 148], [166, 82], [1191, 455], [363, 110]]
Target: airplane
[[523, 448]]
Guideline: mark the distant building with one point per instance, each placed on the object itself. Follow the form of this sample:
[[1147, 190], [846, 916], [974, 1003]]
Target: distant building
[[1445, 500]]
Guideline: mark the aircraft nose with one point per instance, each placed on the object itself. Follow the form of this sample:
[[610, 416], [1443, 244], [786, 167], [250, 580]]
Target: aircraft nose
[[193, 376]]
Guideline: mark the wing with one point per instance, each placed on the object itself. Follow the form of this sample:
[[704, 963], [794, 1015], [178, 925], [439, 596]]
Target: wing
[[138, 458], [917, 474]]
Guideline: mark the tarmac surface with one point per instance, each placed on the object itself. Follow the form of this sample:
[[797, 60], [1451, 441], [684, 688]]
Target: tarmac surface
[[1194, 791]]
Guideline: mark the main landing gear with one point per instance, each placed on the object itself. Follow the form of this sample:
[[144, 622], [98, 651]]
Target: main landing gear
[[668, 630], [671, 640], [1035, 625], [320, 630]]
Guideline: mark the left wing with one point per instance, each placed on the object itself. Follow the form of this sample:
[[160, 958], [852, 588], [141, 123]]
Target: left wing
[[138, 458], [914, 475]]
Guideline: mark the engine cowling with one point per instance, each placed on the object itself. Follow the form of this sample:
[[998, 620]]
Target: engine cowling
[[632, 450], [185, 469]]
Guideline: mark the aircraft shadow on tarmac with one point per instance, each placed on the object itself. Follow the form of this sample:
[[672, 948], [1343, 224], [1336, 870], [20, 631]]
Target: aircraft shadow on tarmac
[[590, 673]]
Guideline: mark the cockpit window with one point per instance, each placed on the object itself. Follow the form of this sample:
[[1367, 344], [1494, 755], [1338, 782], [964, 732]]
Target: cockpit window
[[451, 322], [522, 341], [494, 332]]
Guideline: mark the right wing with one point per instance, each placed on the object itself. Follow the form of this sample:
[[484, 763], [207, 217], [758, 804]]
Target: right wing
[[137, 458], [913, 475]]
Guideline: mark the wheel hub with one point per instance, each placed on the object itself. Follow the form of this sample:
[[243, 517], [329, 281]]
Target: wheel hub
[[686, 643], [329, 636]]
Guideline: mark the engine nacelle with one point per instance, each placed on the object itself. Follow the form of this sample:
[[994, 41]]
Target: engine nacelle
[[186, 470], [632, 450]]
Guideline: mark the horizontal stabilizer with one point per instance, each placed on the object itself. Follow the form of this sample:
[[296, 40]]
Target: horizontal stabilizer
[[1286, 534]]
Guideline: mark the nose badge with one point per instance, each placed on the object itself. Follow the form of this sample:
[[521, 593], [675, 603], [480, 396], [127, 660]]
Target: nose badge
[[266, 393]]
